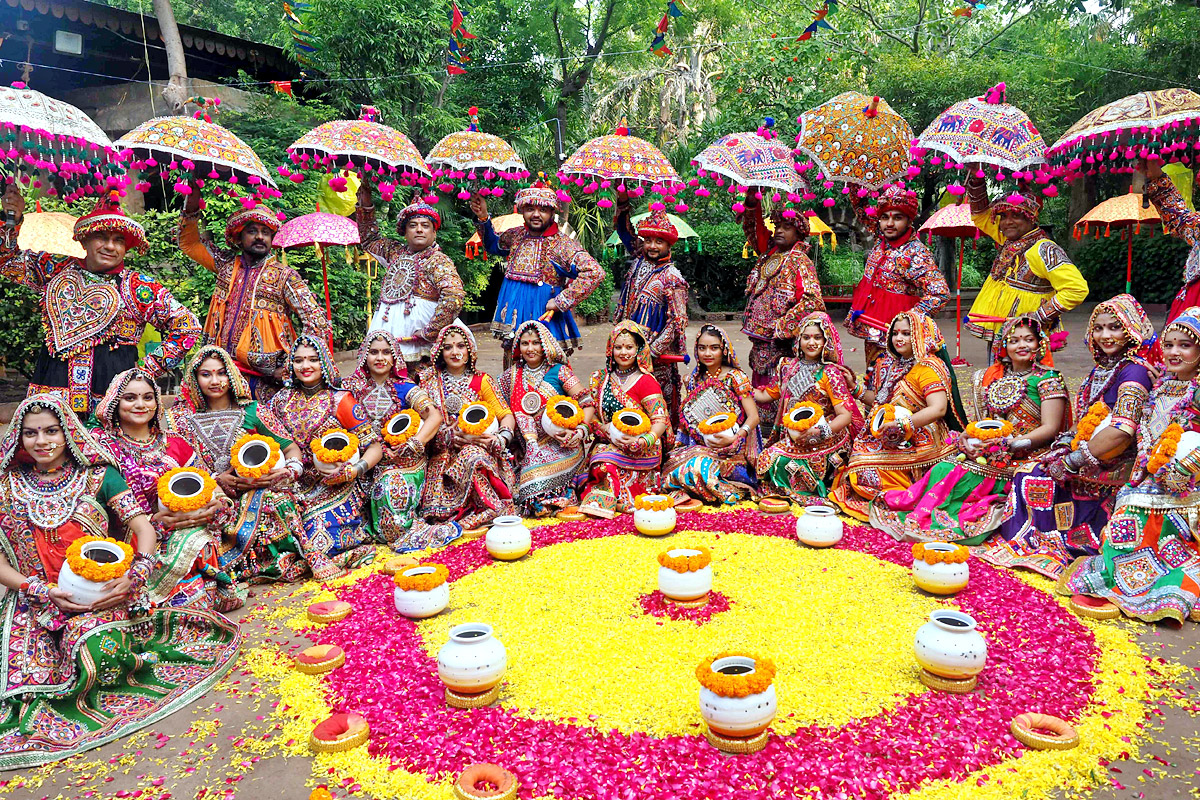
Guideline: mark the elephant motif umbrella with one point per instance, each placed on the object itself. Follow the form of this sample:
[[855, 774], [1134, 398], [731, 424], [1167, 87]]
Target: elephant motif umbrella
[[749, 159], [44, 137], [855, 139], [982, 130]]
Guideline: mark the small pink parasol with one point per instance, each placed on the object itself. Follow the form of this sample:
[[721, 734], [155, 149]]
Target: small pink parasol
[[321, 229], [954, 222]]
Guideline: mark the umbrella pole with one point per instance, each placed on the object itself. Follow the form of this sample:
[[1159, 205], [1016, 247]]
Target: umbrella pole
[[328, 307], [1129, 264], [958, 359]]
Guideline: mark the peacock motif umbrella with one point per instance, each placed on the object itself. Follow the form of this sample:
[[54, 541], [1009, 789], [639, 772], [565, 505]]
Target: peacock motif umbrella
[[187, 148], [621, 159], [1128, 212], [855, 139], [476, 157], [750, 159], [322, 230], [44, 137], [1163, 124], [983, 130]]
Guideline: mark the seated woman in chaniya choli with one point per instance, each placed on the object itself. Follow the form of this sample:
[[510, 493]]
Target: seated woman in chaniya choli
[[382, 385], [912, 377], [962, 498], [332, 505], [131, 424], [1149, 559], [80, 672], [722, 472], [802, 468], [265, 540], [621, 466], [1057, 507], [470, 477], [549, 463]]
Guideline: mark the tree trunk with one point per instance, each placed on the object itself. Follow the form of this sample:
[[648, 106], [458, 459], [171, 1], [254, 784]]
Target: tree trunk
[[178, 88]]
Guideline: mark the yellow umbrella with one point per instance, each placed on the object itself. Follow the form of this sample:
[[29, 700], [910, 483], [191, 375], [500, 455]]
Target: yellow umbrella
[[1124, 211], [50, 232]]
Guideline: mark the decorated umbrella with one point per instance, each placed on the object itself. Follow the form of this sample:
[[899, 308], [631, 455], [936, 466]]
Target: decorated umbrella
[[1127, 211], [50, 232], [187, 149], [954, 222], [982, 130], [621, 159], [1162, 125], [322, 230], [855, 139], [747, 159], [380, 154], [47, 137], [684, 230], [475, 156]]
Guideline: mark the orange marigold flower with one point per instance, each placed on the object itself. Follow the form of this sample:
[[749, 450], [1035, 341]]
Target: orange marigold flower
[[686, 563], [736, 685], [419, 579]]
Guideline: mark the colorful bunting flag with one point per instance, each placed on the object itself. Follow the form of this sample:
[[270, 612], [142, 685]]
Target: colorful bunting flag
[[283, 87], [303, 42], [659, 45], [455, 57], [819, 22]]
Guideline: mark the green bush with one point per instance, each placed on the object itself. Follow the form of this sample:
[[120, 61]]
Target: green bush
[[1157, 267]]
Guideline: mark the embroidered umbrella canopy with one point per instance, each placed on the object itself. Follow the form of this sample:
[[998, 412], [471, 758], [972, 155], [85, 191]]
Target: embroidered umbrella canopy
[[621, 159], [321, 230], [476, 157], [1163, 124], [982, 130], [382, 155], [750, 159], [954, 222], [1126, 212], [50, 232], [855, 139], [44, 137], [187, 148]]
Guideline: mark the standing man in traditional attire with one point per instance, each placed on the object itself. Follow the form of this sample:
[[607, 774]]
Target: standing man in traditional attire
[[782, 278], [94, 310], [1179, 221], [655, 294], [546, 272], [421, 292], [255, 292], [1031, 274], [900, 273]]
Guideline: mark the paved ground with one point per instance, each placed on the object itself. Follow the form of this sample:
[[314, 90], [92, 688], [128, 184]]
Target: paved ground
[[220, 747]]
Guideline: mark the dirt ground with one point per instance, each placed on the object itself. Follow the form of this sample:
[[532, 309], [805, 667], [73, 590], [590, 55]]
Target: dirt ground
[[210, 749]]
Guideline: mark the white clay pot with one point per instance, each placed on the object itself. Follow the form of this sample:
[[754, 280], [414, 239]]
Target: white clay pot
[[473, 660], [654, 521], [739, 717], [799, 414], [85, 592], [566, 410], [185, 484], [901, 414], [334, 440], [256, 453], [949, 646], [421, 605], [508, 539], [723, 438], [819, 526], [685, 585], [940, 578], [477, 412], [614, 433]]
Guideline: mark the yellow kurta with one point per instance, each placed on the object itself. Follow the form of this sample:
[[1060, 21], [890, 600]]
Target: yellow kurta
[[1036, 276]]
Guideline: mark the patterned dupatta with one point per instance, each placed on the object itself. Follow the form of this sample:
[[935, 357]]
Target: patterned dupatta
[[379, 399], [707, 395], [929, 350], [1142, 348], [799, 378], [516, 381], [306, 414], [999, 394], [612, 395], [448, 393], [212, 433]]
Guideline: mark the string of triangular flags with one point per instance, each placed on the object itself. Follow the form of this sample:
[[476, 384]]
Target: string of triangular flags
[[659, 45], [304, 43], [819, 22], [968, 8], [455, 57]]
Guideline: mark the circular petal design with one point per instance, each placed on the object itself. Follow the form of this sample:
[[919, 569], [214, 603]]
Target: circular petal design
[[205, 143], [360, 139], [1113, 137], [620, 158], [974, 130], [467, 150], [319, 228], [1041, 659], [849, 145], [47, 136], [750, 160]]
